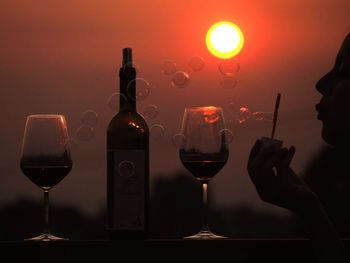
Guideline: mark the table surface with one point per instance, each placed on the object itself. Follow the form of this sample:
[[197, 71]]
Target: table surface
[[228, 250]]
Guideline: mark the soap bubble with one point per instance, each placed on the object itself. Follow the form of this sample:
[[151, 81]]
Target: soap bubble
[[178, 140], [244, 114], [168, 67], [150, 112], [157, 131], [89, 117], [262, 116], [228, 82], [143, 88], [180, 79], [126, 168], [229, 67], [85, 133], [226, 135], [196, 63], [113, 101]]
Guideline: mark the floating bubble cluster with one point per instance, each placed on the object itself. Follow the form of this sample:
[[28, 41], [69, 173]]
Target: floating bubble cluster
[[244, 114], [196, 63], [157, 131], [126, 168], [168, 67], [180, 79], [85, 132]]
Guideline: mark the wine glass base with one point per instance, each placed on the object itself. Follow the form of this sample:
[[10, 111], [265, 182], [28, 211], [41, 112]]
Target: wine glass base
[[205, 234], [46, 237]]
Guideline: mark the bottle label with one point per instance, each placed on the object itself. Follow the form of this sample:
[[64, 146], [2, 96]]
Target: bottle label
[[129, 189]]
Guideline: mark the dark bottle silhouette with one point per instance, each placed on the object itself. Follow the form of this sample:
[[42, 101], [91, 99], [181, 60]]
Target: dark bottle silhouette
[[127, 162]]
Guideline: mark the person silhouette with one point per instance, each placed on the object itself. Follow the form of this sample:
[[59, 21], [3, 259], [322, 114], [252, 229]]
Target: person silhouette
[[276, 182]]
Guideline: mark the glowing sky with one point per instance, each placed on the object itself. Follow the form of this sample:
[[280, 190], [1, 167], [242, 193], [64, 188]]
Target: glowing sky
[[63, 57]]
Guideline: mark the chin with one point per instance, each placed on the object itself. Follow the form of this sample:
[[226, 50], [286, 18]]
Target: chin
[[335, 138], [328, 137]]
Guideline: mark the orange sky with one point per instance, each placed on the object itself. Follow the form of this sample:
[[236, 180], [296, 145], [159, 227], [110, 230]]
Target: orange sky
[[63, 57]]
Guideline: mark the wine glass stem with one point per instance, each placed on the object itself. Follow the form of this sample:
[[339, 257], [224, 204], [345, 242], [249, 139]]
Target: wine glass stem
[[46, 212], [205, 227]]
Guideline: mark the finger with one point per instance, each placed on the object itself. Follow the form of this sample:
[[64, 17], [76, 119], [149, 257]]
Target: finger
[[275, 158], [254, 151], [260, 159], [283, 168], [289, 156], [285, 162]]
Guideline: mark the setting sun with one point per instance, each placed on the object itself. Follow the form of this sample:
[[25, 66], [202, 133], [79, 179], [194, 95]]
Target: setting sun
[[224, 39]]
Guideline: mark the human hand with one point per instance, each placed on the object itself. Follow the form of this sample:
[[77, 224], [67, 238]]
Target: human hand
[[275, 182]]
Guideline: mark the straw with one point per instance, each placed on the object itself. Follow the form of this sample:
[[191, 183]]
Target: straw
[[275, 114]]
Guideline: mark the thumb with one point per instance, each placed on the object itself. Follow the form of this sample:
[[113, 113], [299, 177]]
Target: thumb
[[290, 155], [287, 159]]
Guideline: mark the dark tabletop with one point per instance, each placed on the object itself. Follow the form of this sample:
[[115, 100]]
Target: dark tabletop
[[228, 250]]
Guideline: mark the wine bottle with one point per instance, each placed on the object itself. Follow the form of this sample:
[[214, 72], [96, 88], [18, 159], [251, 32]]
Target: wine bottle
[[127, 162]]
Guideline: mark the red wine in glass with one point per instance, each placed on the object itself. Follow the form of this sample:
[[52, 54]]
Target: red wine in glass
[[203, 167], [204, 152], [46, 176], [46, 159]]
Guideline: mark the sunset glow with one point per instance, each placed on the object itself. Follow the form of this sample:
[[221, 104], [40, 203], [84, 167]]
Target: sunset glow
[[224, 40]]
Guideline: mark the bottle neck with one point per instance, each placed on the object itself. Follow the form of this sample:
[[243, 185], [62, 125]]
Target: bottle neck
[[127, 100]]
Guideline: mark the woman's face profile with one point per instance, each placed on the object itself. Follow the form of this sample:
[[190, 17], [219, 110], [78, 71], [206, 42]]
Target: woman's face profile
[[334, 107]]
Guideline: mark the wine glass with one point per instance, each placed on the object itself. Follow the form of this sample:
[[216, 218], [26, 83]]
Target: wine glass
[[204, 152], [46, 158]]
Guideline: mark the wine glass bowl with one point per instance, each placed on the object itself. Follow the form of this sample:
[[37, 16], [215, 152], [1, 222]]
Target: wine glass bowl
[[204, 151], [45, 158]]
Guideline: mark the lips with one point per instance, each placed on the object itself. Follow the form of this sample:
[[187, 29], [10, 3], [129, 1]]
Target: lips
[[320, 111]]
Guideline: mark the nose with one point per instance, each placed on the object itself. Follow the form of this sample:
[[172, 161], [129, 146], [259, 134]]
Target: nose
[[324, 85]]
